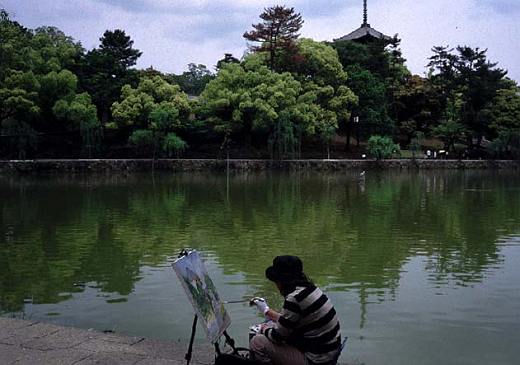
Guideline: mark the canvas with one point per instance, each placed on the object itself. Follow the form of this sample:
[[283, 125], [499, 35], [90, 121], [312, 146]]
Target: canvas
[[202, 294]]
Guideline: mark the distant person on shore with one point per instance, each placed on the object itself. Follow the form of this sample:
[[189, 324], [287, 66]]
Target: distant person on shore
[[306, 331]]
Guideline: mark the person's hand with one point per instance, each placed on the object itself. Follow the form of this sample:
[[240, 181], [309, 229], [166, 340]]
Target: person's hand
[[261, 304], [263, 327]]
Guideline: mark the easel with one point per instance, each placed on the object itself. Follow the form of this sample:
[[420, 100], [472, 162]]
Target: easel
[[229, 341]]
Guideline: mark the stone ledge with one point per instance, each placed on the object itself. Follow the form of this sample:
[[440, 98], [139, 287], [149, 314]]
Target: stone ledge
[[186, 165]]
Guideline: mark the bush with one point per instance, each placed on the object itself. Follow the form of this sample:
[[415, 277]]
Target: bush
[[382, 147], [173, 145]]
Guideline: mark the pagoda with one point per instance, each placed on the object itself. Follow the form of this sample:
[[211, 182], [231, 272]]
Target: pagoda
[[365, 33]]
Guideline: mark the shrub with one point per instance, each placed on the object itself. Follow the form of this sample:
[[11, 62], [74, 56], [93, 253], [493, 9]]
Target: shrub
[[173, 145], [382, 147]]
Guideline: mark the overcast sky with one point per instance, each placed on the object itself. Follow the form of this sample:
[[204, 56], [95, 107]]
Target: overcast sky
[[173, 33]]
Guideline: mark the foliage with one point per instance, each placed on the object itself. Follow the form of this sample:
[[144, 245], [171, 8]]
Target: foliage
[[276, 34], [466, 72], [19, 96], [79, 110], [449, 131], [503, 112], [418, 106], [173, 145], [19, 136], [151, 112], [193, 81], [324, 83], [37, 85], [320, 72], [507, 143], [53, 94], [371, 109], [377, 74], [416, 143], [106, 70], [250, 98], [382, 147], [142, 138], [228, 58]]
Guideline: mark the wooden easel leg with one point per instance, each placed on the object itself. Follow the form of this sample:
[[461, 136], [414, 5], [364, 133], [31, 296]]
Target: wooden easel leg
[[190, 347]]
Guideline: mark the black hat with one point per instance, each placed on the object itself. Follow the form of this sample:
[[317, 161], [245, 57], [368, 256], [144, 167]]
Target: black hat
[[285, 267]]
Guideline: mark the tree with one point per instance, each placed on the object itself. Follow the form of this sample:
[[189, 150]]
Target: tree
[[276, 34], [193, 81], [228, 58], [377, 74], [418, 107], [450, 130], [371, 110], [382, 147], [14, 45], [469, 74], [503, 112], [107, 68], [79, 110], [55, 51], [250, 98], [323, 79], [36, 77], [152, 113]]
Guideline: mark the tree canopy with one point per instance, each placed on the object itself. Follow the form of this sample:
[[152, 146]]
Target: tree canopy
[[59, 100]]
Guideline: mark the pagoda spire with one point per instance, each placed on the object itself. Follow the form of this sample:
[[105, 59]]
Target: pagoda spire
[[366, 33], [365, 12]]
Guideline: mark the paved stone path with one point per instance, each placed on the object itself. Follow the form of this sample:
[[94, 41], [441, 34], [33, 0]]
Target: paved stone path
[[31, 342], [37, 343]]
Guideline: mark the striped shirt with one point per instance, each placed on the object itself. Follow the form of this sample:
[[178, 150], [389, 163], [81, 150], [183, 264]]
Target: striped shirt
[[309, 322]]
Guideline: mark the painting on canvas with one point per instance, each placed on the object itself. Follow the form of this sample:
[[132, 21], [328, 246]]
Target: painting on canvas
[[202, 294]]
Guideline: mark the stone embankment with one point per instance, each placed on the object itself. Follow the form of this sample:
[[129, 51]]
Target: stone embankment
[[185, 165], [34, 343]]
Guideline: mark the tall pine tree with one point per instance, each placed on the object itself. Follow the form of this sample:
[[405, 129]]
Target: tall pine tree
[[276, 34]]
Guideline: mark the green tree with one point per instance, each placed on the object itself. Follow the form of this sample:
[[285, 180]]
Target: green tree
[[377, 74], [228, 58], [450, 130], [382, 147], [14, 45], [504, 114], [319, 71], [193, 81], [79, 110], [466, 72], [371, 109], [107, 68], [152, 113], [36, 79], [251, 99], [277, 34], [418, 107]]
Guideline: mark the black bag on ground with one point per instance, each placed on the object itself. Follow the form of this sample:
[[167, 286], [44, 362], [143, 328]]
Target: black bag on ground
[[234, 359]]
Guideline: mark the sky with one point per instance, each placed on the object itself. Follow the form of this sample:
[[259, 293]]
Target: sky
[[173, 33]]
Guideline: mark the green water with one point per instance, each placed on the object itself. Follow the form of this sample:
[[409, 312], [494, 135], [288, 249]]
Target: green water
[[423, 268]]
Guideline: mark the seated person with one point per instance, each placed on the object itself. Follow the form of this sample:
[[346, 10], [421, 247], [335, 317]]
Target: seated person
[[307, 329]]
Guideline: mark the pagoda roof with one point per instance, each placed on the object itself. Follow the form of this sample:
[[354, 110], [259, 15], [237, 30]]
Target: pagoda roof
[[362, 33]]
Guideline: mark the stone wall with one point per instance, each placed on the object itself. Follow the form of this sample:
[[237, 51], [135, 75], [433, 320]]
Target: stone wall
[[128, 166]]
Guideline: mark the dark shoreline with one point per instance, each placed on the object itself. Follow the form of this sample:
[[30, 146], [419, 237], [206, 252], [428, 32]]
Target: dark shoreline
[[192, 165]]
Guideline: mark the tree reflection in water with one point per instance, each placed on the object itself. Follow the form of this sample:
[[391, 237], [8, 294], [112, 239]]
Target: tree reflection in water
[[60, 234]]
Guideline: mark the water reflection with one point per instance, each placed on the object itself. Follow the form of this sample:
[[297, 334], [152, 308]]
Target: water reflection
[[63, 235]]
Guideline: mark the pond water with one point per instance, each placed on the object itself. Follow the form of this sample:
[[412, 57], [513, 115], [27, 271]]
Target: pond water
[[423, 267]]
